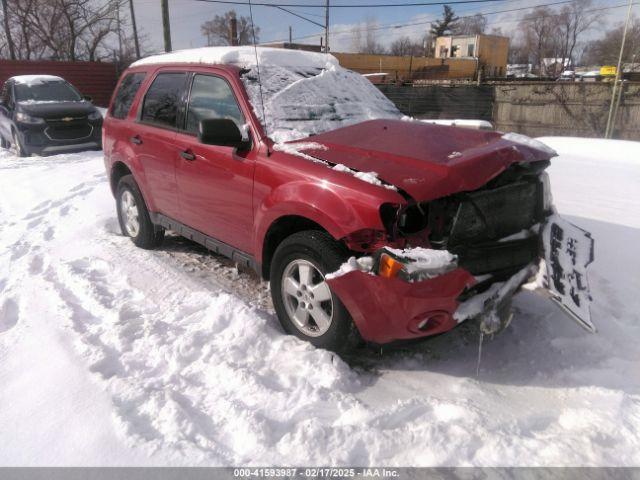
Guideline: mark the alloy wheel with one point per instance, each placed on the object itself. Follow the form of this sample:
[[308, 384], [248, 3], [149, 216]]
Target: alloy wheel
[[130, 214], [307, 298]]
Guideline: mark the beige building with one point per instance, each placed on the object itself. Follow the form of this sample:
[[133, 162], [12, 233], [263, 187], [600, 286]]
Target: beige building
[[490, 51]]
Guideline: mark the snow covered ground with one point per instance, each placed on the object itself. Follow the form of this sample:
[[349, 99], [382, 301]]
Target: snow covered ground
[[110, 355]]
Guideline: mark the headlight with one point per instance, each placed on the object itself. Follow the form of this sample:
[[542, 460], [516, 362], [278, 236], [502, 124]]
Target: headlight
[[24, 118], [95, 115], [530, 142], [414, 264]]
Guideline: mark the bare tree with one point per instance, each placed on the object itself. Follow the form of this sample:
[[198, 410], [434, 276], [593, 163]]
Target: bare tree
[[573, 21], [605, 50], [365, 39], [405, 46], [7, 30], [472, 25], [62, 29], [537, 28], [219, 31]]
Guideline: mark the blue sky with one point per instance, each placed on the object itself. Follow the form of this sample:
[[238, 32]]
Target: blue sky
[[188, 15]]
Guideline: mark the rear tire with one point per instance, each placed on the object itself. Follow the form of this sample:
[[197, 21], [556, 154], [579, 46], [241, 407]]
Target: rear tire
[[133, 215], [4, 143], [298, 268]]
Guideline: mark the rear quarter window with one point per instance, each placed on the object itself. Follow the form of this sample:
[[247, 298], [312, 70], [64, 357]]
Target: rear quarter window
[[163, 98], [125, 94]]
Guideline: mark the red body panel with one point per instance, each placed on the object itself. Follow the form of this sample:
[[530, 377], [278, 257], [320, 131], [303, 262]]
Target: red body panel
[[387, 309], [236, 197], [426, 161]]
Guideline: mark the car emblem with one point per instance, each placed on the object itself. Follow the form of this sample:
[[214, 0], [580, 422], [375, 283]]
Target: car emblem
[[67, 119]]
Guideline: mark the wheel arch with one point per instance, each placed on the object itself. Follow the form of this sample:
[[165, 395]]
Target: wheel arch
[[280, 229], [118, 170]]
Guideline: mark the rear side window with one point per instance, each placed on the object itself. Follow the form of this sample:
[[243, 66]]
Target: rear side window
[[125, 94], [162, 99]]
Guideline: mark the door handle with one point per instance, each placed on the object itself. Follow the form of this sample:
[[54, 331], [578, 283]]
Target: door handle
[[136, 140], [188, 155]]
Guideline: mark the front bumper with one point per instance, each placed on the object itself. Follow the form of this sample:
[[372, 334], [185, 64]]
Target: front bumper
[[38, 139], [388, 309]]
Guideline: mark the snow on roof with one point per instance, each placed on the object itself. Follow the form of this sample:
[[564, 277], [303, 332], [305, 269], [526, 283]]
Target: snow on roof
[[244, 57], [35, 79]]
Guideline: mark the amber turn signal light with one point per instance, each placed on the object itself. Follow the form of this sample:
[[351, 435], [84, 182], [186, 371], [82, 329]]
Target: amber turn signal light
[[389, 267]]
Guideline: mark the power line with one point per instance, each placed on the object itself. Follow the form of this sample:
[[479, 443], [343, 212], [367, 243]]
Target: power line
[[353, 5], [299, 16], [426, 22]]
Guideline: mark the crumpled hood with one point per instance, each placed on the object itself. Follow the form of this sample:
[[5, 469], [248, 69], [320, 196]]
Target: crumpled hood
[[57, 109], [426, 161]]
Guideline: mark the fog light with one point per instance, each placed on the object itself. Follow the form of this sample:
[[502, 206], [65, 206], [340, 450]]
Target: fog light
[[429, 321]]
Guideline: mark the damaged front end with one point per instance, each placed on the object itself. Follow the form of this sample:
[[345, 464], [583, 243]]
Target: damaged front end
[[462, 257]]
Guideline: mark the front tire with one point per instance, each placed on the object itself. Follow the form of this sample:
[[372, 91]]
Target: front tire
[[16, 146], [305, 305], [133, 215]]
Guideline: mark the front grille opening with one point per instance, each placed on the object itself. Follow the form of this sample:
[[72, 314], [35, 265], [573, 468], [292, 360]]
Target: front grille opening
[[473, 224]]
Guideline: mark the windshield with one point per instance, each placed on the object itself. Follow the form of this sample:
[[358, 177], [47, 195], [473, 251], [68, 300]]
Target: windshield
[[46, 91], [300, 102]]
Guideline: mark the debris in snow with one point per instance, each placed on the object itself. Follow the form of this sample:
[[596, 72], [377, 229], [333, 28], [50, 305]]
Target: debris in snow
[[488, 302], [529, 142], [568, 251]]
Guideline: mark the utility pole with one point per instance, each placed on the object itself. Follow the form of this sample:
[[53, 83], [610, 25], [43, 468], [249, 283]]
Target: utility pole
[[326, 28], [290, 35], [233, 31], [611, 121], [135, 29], [166, 26], [119, 27], [7, 30]]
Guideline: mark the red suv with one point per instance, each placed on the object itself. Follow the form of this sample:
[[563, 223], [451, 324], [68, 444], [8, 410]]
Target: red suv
[[365, 222]]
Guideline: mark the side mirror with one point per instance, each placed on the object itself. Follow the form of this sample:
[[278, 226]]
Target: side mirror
[[223, 132], [87, 98]]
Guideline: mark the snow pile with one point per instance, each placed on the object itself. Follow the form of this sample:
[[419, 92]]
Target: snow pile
[[298, 148], [426, 260], [367, 177], [476, 124], [35, 79], [305, 101], [364, 264], [304, 93], [244, 57], [112, 355]]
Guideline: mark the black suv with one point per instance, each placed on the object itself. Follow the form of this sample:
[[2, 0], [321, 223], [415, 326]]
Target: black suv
[[43, 114]]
